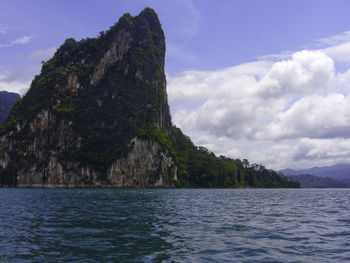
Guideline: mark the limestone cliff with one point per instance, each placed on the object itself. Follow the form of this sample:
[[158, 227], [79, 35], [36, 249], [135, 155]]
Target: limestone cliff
[[84, 121]]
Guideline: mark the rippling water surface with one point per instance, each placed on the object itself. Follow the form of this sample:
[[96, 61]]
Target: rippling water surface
[[57, 225]]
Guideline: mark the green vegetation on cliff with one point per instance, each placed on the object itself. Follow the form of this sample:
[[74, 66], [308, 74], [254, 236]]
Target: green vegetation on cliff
[[198, 167]]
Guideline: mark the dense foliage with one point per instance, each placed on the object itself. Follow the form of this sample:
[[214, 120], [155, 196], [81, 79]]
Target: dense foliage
[[199, 167]]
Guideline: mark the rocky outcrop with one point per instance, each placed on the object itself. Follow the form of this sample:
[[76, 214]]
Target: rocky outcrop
[[146, 165], [83, 121], [116, 51]]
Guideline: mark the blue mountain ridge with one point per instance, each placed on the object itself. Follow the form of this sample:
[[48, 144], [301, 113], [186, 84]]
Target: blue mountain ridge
[[334, 176], [337, 171]]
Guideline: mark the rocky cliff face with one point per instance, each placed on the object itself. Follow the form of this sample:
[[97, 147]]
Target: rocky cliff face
[[95, 114]]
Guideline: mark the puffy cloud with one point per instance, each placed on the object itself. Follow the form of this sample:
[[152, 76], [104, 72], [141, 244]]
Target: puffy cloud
[[334, 150], [219, 102], [303, 73], [240, 101], [312, 117], [284, 113], [199, 85]]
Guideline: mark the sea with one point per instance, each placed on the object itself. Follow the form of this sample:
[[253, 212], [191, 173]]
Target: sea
[[174, 225]]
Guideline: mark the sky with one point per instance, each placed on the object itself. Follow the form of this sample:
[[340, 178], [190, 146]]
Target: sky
[[264, 80]]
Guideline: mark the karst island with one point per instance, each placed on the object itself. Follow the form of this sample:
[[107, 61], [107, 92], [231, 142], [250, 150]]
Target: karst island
[[98, 116]]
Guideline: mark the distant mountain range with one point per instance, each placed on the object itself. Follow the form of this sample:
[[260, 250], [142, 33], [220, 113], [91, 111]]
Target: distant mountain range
[[6, 101], [312, 181], [317, 177], [338, 171]]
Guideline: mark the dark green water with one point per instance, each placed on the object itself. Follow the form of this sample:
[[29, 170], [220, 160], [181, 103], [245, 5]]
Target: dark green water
[[57, 225]]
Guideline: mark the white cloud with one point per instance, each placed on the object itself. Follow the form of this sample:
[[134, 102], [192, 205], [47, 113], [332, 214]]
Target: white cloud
[[311, 117], [19, 41], [336, 149], [303, 73], [337, 46], [13, 85], [238, 101], [22, 40], [340, 52], [198, 85], [343, 81], [336, 39], [284, 113]]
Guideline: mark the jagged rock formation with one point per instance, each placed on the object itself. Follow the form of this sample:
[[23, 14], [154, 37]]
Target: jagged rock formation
[[85, 119], [98, 116], [6, 101]]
